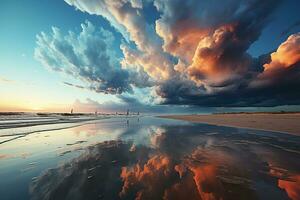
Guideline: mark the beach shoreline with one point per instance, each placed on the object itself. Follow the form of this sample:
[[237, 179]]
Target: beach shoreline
[[283, 123]]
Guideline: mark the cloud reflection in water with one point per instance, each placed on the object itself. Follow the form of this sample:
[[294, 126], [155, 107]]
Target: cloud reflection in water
[[180, 162]]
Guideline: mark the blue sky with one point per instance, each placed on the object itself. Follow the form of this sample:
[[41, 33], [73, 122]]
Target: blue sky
[[26, 84], [286, 15], [20, 23]]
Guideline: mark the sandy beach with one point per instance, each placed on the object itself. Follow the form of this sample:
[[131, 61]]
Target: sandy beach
[[285, 123]]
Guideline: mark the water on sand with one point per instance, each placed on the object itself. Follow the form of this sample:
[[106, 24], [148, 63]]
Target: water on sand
[[150, 158]]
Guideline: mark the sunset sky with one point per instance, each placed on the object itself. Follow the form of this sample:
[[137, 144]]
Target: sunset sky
[[149, 55]]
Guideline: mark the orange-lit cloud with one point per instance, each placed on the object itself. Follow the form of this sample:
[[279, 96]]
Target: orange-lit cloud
[[207, 182], [283, 69], [191, 53], [292, 187], [286, 181], [154, 173], [213, 62], [154, 179], [185, 189], [161, 176], [287, 54], [182, 39]]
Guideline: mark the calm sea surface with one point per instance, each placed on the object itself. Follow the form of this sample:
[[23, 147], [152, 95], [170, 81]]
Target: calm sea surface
[[150, 158]]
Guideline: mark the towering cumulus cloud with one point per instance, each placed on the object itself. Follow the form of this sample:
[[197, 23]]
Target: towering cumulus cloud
[[128, 18], [187, 52], [280, 80]]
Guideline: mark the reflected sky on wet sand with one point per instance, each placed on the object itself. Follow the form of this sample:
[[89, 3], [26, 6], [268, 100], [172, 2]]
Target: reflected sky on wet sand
[[151, 158]]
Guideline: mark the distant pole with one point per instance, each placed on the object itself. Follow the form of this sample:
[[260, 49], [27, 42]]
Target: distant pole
[[72, 111], [127, 112]]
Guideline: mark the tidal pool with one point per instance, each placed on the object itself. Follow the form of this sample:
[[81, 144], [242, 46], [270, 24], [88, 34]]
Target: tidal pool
[[150, 158]]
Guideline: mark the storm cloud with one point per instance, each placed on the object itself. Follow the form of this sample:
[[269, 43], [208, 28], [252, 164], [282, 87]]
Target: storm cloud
[[193, 53]]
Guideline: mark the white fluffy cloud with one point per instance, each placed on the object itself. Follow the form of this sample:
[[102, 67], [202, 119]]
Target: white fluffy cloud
[[89, 56]]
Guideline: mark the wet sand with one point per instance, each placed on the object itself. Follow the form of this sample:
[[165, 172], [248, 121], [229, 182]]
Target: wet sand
[[285, 123], [121, 158]]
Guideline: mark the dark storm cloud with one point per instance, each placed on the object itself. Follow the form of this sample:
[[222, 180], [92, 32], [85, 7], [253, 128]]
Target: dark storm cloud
[[196, 53], [223, 57], [226, 75]]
